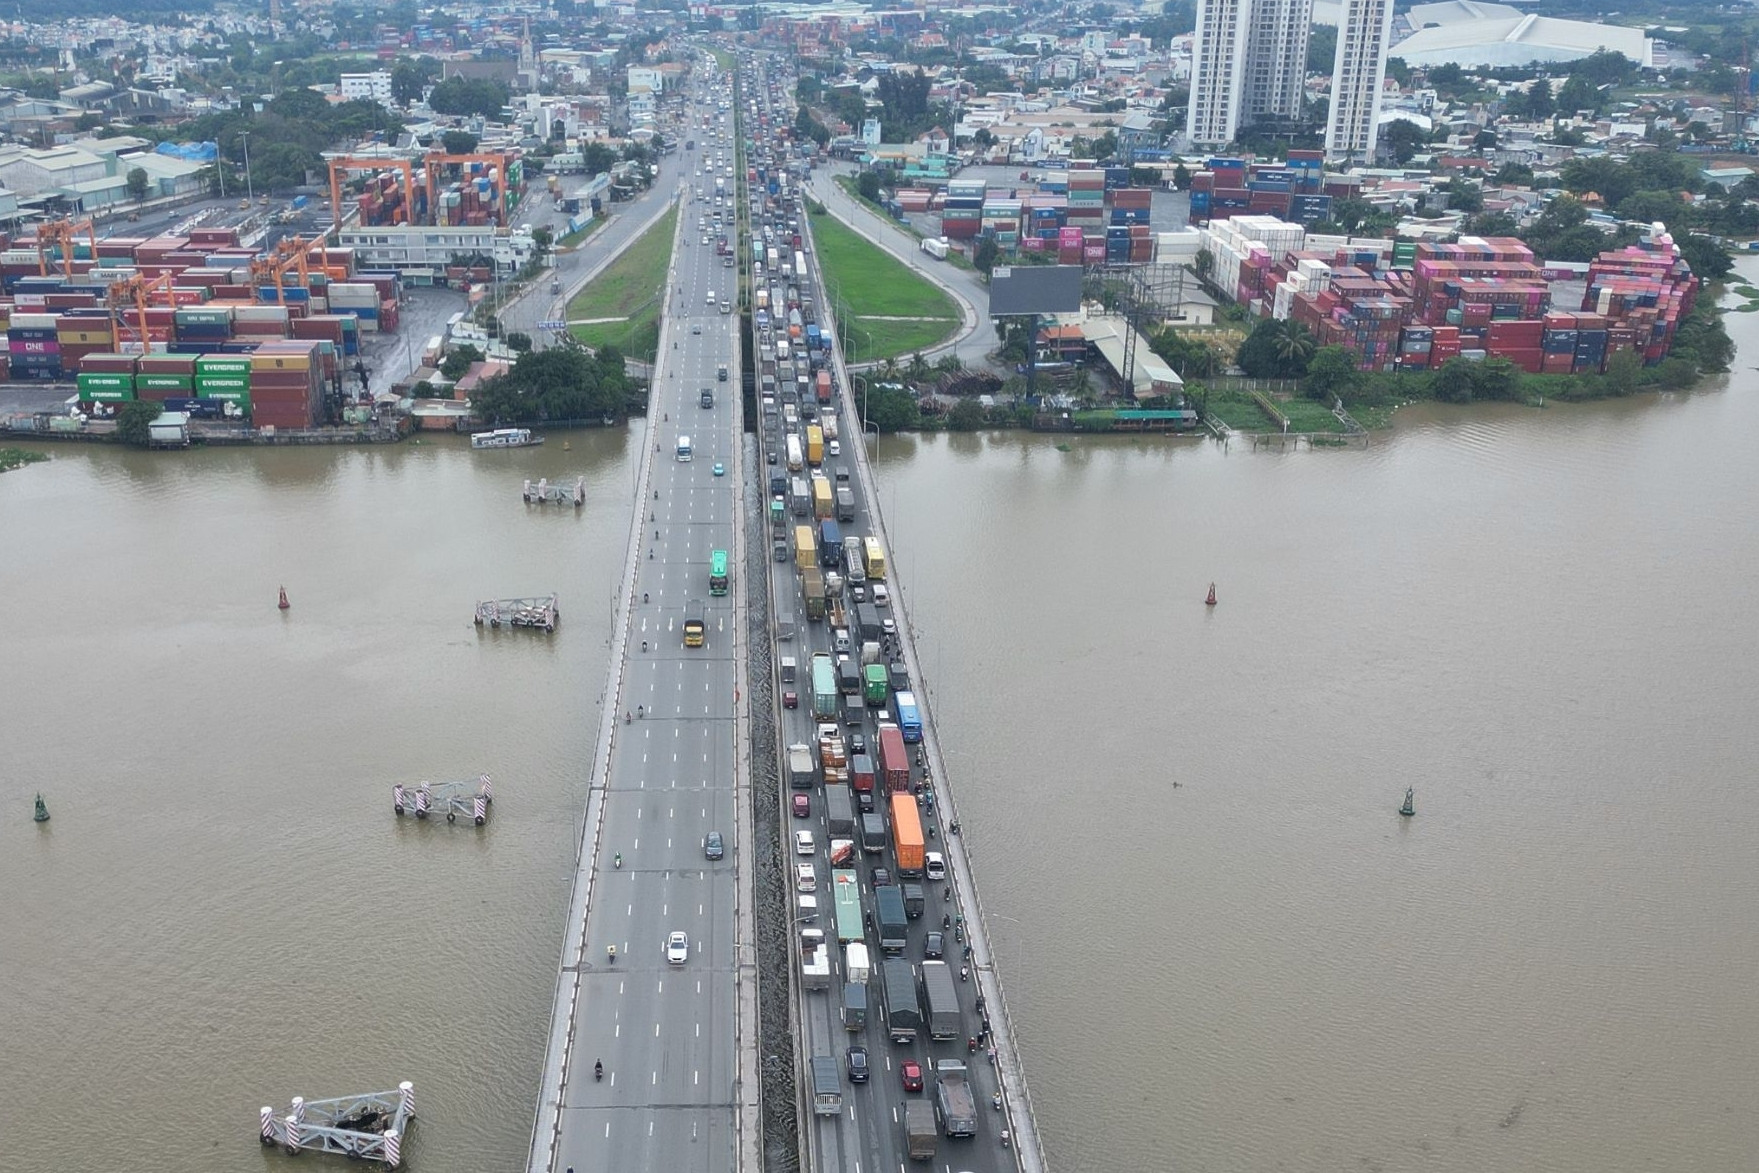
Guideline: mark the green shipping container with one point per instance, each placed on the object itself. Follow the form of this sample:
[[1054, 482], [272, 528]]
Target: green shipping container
[[222, 364], [105, 388], [164, 383], [106, 380], [203, 317], [1405, 255], [242, 398]]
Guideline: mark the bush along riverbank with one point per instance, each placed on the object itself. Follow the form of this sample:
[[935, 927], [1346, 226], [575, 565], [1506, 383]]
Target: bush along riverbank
[[11, 458]]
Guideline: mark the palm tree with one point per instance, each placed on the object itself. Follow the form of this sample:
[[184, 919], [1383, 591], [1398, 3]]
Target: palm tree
[[1294, 344], [889, 369], [918, 370]]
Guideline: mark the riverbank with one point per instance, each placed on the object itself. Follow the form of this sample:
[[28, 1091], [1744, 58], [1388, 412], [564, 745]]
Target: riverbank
[[11, 458]]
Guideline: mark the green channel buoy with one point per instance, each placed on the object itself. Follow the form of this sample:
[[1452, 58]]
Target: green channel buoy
[[1410, 807], [42, 815]]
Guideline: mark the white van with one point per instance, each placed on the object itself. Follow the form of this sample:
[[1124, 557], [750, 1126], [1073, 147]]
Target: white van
[[684, 448]]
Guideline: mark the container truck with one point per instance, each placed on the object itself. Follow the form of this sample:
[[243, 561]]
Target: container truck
[[894, 926], [823, 506], [824, 687], [799, 497], [854, 1006], [823, 387], [874, 682], [833, 759], [894, 759], [873, 833], [920, 1135], [830, 544], [913, 900], [846, 513], [839, 812], [954, 1103], [800, 766], [861, 774], [903, 1008], [907, 847], [812, 589], [867, 617], [942, 997], [815, 445], [856, 967], [827, 1087], [846, 896], [805, 547]]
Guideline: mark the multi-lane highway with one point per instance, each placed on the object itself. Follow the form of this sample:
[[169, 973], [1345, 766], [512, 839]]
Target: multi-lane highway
[[868, 1132], [661, 1016]]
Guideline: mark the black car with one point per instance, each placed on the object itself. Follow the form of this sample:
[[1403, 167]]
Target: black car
[[881, 877], [713, 847], [933, 946], [707, 397], [857, 743], [770, 456], [857, 1057], [778, 483]]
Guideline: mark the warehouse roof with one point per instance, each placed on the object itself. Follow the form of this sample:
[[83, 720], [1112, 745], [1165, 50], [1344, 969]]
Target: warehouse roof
[[1521, 40]]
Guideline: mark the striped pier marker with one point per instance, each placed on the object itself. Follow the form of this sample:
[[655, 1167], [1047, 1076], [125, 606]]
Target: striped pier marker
[[397, 798], [268, 1125], [406, 1098], [422, 797], [488, 789], [481, 811], [393, 1148]]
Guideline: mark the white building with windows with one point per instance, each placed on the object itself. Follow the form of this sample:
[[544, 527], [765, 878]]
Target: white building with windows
[[366, 87], [1358, 73], [1248, 62]]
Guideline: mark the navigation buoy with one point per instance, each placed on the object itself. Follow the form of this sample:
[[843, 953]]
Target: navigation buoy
[[1210, 602], [1410, 807], [42, 815], [283, 604]]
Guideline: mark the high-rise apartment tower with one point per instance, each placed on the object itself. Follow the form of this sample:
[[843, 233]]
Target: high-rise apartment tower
[[1248, 63], [1356, 77]]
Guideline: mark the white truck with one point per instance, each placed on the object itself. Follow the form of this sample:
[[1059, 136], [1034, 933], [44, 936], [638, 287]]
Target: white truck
[[815, 960], [856, 967], [935, 247]]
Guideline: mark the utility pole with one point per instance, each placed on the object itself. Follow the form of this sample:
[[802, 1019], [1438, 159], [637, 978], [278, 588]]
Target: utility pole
[[249, 187]]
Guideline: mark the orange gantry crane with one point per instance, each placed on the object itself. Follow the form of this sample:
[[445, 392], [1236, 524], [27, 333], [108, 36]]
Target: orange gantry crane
[[342, 165], [137, 292], [64, 233], [294, 253]]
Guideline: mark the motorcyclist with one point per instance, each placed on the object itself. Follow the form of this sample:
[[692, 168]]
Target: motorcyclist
[[598, 1069]]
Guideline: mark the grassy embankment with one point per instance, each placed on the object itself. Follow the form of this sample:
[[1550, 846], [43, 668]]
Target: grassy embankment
[[886, 310], [955, 258], [627, 295]]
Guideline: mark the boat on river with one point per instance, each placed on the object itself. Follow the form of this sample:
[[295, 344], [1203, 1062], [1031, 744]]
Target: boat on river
[[505, 438]]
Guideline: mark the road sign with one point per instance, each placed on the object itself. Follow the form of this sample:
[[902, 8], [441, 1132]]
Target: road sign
[[556, 325]]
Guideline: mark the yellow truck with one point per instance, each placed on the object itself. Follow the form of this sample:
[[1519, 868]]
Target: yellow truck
[[805, 548], [815, 445]]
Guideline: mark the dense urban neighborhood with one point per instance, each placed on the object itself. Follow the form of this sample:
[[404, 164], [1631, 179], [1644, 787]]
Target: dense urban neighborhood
[[1344, 198]]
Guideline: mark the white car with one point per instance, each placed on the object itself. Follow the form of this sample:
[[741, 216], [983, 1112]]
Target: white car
[[881, 596], [805, 878], [677, 949], [803, 844], [934, 865], [835, 447]]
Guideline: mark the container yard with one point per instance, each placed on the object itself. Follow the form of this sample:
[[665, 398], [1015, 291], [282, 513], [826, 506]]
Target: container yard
[[1414, 306], [195, 322]]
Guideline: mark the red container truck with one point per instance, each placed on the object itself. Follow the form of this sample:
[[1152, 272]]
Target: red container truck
[[894, 760]]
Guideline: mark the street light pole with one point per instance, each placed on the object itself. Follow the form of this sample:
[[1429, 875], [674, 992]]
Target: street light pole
[[249, 187]]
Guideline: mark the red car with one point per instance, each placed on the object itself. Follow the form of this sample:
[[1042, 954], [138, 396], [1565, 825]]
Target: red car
[[790, 700], [911, 1070], [802, 806]]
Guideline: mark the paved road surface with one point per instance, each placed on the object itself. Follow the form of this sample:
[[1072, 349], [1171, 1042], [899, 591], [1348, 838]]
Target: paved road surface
[[868, 1134], [667, 1033], [976, 338]]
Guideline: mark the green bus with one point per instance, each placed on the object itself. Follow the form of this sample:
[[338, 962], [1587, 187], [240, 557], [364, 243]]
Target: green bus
[[717, 573], [847, 893]]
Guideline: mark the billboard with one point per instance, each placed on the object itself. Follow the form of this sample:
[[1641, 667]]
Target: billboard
[[1034, 289]]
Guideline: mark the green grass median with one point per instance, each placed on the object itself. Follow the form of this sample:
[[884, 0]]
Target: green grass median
[[621, 306], [886, 310]]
